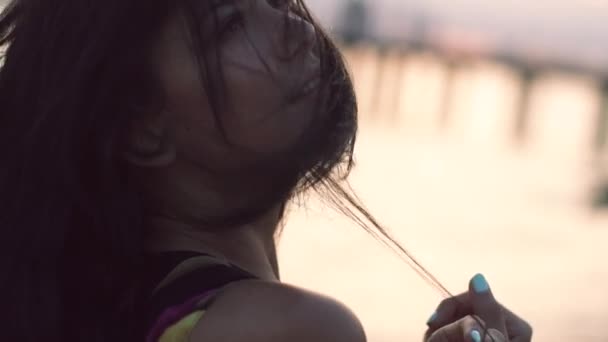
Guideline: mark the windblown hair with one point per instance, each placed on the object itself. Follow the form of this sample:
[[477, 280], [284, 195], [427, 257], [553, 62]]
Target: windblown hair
[[75, 75]]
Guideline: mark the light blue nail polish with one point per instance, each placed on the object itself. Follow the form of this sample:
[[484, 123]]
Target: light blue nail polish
[[480, 285], [432, 319], [476, 336]]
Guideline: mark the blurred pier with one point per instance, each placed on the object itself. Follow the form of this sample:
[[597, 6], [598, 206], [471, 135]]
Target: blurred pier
[[478, 160]]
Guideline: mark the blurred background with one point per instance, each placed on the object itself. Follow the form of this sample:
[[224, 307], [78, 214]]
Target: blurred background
[[483, 149]]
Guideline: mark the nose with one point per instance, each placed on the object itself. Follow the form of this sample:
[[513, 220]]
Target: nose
[[286, 42], [297, 36], [290, 34]]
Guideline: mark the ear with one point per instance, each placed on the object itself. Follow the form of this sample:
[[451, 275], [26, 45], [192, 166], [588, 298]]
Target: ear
[[149, 143]]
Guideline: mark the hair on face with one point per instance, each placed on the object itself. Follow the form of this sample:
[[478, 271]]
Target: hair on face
[[75, 75]]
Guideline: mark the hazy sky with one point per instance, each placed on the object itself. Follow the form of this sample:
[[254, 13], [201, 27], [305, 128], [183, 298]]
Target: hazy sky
[[570, 29]]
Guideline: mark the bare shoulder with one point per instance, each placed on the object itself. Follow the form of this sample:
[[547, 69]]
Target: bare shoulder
[[257, 311]]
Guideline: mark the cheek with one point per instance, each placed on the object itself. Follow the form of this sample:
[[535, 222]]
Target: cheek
[[193, 124], [252, 95], [179, 75], [259, 118], [253, 117], [187, 103]]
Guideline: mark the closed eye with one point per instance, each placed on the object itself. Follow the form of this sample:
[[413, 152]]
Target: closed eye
[[281, 4]]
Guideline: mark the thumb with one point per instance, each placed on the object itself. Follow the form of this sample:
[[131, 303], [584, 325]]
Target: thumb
[[485, 305]]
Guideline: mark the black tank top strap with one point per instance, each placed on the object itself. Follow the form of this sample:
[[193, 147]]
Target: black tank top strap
[[193, 282]]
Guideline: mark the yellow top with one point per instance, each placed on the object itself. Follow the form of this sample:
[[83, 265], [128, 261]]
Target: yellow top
[[180, 331]]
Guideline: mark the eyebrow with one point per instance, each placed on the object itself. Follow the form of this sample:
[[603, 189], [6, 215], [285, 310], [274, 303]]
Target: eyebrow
[[216, 4]]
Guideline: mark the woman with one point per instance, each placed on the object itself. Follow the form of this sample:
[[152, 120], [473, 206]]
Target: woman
[[150, 149]]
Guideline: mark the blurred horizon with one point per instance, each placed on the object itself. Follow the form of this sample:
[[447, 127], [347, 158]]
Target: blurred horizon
[[565, 30], [483, 148]]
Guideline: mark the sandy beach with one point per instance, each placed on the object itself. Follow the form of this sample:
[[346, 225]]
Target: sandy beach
[[464, 201]]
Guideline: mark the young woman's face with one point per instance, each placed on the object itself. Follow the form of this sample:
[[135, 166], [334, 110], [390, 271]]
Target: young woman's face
[[270, 88]]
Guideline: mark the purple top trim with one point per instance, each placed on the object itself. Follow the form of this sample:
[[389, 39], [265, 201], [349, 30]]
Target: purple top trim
[[174, 314]]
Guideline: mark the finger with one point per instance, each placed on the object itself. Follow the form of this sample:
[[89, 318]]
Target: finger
[[485, 306], [519, 330], [467, 329], [450, 310], [494, 335]]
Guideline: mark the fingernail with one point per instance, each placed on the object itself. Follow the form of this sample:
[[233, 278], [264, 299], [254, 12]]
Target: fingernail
[[480, 285], [476, 336], [432, 319]]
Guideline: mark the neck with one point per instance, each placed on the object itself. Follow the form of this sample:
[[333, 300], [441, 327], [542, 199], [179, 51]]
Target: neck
[[251, 247]]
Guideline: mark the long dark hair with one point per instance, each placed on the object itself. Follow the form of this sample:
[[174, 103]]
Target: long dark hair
[[74, 75]]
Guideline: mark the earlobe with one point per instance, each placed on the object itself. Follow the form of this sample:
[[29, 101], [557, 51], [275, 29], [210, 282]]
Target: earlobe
[[164, 155], [150, 149]]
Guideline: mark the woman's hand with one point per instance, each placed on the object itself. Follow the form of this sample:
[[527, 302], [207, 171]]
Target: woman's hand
[[475, 316], [467, 329]]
